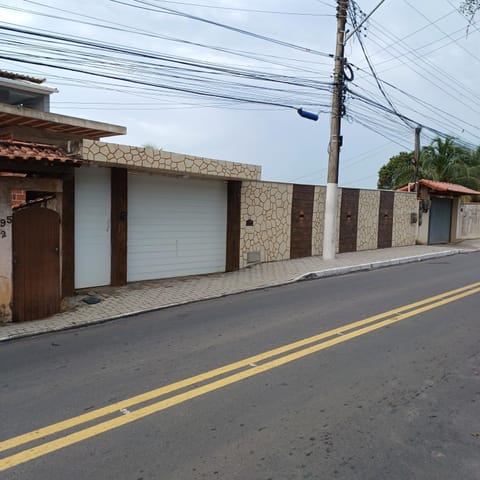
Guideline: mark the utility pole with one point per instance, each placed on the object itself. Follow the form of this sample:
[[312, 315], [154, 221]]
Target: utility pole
[[417, 156], [330, 222]]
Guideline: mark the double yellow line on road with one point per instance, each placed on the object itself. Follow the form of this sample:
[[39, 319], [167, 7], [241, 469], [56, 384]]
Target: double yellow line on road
[[245, 368]]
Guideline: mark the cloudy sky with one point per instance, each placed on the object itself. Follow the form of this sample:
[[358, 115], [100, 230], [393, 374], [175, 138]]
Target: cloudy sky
[[188, 76]]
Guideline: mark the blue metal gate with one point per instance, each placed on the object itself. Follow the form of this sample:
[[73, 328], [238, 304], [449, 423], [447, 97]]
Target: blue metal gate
[[440, 220]]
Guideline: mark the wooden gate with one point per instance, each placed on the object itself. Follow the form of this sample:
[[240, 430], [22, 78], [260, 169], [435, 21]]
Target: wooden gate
[[36, 263], [385, 219], [348, 220], [301, 226]]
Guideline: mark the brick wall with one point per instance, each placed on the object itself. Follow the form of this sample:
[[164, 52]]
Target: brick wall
[[18, 197]]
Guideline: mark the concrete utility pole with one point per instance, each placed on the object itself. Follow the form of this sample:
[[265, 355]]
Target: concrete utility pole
[[330, 223], [417, 156]]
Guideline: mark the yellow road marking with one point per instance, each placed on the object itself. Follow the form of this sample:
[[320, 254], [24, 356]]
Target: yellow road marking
[[50, 446], [152, 394]]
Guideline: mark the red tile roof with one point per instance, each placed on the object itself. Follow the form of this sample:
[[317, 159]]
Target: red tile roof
[[444, 187], [16, 150], [19, 76]]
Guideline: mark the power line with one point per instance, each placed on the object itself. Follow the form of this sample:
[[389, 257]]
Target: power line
[[167, 87], [448, 117], [236, 9], [430, 76], [115, 26], [370, 65], [345, 162], [171, 11], [472, 55], [385, 109], [411, 34], [187, 69]]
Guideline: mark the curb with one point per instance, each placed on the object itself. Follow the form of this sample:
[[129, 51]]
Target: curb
[[330, 272], [333, 272]]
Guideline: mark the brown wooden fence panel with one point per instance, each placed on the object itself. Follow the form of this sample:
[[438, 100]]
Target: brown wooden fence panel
[[233, 225], [119, 214], [301, 226], [385, 219], [349, 220], [68, 236]]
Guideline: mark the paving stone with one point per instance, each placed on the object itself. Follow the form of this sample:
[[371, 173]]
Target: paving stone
[[145, 296]]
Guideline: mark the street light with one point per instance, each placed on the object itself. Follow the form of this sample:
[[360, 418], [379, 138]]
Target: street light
[[309, 115]]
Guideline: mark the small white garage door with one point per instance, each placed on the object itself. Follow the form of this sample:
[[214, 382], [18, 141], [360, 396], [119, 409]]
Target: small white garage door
[[176, 226], [92, 227]]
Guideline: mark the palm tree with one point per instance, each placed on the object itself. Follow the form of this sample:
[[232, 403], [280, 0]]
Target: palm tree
[[469, 171], [446, 161], [443, 161]]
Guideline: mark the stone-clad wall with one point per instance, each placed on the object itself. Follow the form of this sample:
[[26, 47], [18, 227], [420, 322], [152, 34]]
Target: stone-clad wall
[[318, 219], [162, 161], [268, 206], [404, 231], [367, 232]]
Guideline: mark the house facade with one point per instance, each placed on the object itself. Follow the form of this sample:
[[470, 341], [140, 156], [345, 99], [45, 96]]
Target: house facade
[[77, 212], [443, 218]]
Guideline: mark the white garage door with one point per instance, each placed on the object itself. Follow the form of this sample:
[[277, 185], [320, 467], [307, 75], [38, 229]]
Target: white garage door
[[175, 226], [92, 227]]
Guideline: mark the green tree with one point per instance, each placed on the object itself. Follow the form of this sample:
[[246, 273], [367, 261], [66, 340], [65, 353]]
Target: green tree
[[443, 160], [397, 172], [469, 170], [470, 7]]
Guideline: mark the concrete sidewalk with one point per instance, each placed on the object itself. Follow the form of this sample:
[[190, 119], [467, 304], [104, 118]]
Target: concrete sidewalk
[[146, 296]]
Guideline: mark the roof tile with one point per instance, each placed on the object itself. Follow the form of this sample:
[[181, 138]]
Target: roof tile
[[16, 150], [442, 187]]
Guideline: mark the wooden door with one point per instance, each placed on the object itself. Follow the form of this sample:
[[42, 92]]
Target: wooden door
[[301, 226], [36, 263], [385, 219], [348, 220]]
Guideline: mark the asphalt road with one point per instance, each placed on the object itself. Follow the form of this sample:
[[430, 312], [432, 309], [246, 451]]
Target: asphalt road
[[393, 397]]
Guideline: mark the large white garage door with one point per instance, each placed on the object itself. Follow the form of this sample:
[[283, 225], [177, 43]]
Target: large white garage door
[[92, 227], [175, 226]]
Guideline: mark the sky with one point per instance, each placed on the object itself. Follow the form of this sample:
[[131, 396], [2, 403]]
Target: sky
[[421, 54]]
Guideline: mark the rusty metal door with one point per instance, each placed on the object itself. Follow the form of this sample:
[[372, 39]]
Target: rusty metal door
[[36, 263], [385, 219], [301, 226], [348, 220]]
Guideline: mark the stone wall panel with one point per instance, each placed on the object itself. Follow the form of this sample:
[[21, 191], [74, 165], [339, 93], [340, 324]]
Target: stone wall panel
[[318, 220], [144, 158], [268, 206], [369, 202], [404, 231]]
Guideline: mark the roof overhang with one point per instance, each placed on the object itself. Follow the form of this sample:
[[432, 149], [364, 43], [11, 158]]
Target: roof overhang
[[12, 116], [25, 86], [440, 188]]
